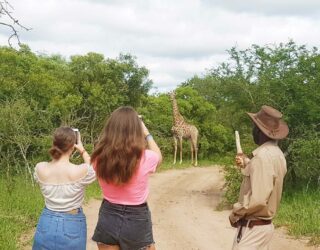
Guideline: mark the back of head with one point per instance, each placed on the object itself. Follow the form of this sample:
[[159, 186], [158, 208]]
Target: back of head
[[259, 137], [120, 146], [64, 139]]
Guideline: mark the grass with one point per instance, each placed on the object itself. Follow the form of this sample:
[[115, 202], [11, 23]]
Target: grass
[[93, 191], [300, 213], [166, 165], [20, 208]]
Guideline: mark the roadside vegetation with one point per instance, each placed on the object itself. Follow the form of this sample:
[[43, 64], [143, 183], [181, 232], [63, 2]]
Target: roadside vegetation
[[300, 213], [41, 92]]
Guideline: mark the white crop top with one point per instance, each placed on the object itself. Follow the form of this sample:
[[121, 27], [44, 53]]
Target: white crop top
[[67, 196]]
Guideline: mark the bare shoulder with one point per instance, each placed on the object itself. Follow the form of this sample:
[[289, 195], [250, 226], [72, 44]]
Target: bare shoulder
[[42, 163], [42, 170], [77, 172], [41, 166]]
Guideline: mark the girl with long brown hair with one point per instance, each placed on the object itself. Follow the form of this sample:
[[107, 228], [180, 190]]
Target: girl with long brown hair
[[124, 157]]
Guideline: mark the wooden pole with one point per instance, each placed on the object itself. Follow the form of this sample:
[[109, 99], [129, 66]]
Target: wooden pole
[[238, 144]]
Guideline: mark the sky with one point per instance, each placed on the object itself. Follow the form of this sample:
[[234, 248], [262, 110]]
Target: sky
[[174, 39]]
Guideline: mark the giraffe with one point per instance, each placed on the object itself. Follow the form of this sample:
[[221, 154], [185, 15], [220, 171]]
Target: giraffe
[[182, 130]]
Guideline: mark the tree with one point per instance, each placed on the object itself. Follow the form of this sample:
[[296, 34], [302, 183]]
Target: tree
[[16, 133], [135, 79], [285, 76], [10, 21]]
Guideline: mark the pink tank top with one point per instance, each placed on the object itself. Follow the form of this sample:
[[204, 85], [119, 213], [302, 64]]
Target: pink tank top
[[136, 191]]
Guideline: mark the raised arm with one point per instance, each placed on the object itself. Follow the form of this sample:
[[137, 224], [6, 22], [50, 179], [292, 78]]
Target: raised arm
[[79, 146], [152, 145]]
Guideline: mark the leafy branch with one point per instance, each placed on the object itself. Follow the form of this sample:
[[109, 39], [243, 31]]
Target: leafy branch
[[6, 10]]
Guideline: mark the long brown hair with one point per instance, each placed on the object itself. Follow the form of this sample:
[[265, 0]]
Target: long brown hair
[[120, 147], [64, 138]]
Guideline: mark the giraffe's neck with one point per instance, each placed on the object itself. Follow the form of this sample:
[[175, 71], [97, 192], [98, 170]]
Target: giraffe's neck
[[177, 117]]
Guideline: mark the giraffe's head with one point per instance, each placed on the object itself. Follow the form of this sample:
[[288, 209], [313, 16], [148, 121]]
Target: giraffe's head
[[172, 94]]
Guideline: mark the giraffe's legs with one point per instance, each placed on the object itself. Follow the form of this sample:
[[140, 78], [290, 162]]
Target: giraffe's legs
[[175, 149], [194, 150], [195, 154], [191, 146], [180, 140]]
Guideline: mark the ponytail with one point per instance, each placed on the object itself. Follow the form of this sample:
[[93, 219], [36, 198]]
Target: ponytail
[[55, 152]]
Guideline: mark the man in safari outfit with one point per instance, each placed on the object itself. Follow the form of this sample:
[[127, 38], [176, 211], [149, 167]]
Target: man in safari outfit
[[261, 188]]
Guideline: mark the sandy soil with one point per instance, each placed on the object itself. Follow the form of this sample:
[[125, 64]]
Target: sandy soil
[[182, 204]]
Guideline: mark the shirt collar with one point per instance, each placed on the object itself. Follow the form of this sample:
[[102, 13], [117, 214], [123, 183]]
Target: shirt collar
[[266, 144]]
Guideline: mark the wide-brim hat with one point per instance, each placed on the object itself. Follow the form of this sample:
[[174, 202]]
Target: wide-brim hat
[[270, 123]]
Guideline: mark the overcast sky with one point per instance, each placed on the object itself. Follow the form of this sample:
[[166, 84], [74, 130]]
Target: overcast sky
[[174, 39]]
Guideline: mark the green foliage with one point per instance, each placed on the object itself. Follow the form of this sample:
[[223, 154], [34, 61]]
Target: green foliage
[[284, 76], [157, 116], [300, 213], [39, 93], [305, 159], [233, 179], [214, 138]]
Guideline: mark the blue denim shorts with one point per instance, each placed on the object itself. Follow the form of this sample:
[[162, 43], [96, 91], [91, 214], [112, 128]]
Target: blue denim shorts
[[58, 230], [130, 227]]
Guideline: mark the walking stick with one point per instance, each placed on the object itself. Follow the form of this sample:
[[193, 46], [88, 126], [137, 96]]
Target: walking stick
[[239, 149], [244, 159]]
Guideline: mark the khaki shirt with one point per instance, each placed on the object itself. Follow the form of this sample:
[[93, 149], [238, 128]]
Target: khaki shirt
[[261, 188]]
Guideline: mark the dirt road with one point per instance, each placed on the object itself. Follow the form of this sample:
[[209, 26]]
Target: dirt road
[[182, 204]]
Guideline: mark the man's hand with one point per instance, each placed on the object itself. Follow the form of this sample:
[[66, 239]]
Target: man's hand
[[241, 160], [233, 221]]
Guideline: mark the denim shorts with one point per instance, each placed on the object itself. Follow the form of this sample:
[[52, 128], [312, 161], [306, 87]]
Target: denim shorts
[[130, 227], [58, 230]]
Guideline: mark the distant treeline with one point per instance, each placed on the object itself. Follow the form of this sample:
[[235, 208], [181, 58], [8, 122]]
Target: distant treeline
[[39, 93]]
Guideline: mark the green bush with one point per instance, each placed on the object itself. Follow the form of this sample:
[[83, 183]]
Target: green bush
[[233, 180], [304, 160]]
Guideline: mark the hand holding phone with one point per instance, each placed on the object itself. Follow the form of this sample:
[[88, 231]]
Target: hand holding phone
[[76, 131], [78, 145]]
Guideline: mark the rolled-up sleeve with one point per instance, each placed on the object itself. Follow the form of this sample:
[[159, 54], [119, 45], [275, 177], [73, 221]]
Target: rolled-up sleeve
[[90, 177]]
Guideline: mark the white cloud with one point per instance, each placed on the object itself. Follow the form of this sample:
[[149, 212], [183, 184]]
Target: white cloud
[[173, 39]]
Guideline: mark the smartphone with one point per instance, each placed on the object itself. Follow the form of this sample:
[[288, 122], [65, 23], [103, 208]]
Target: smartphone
[[76, 132]]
